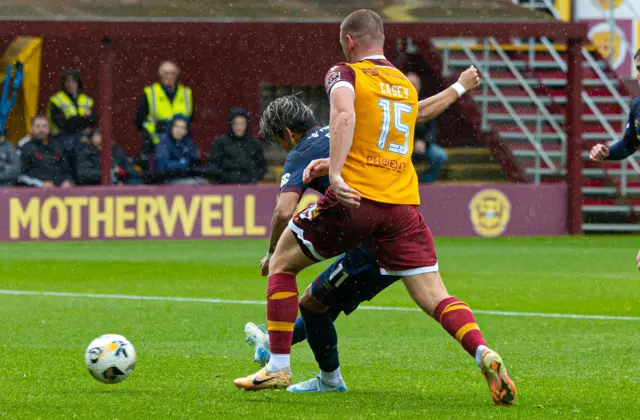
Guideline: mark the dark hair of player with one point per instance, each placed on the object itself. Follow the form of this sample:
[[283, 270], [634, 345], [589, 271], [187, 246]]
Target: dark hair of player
[[39, 117], [362, 24], [635, 57], [286, 112]]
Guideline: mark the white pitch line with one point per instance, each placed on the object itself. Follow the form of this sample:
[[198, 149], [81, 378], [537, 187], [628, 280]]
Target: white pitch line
[[263, 302]]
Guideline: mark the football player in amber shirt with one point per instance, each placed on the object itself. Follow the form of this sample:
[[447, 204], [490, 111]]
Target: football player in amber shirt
[[372, 201]]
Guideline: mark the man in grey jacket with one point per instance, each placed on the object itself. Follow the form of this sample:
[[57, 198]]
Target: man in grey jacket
[[9, 163]]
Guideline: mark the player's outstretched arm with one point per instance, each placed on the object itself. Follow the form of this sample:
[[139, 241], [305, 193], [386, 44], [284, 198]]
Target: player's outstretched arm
[[284, 211], [435, 105], [341, 126], [626, 146], [638, 260], [620, 150]]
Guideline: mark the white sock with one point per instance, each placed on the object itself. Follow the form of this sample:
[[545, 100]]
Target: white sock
[[479, 351], [332, 378], [278, 362]]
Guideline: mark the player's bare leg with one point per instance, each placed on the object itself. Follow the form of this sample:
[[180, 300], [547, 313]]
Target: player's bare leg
[[430, 293], [282, 310]]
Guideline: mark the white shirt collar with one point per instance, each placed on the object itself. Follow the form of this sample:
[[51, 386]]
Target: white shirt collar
[[374, 57]]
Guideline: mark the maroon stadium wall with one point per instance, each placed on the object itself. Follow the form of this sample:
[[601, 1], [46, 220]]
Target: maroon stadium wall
[[225, 63], [220, 212]]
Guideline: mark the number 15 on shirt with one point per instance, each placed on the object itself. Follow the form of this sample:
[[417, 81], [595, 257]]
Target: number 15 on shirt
[[393, 110]]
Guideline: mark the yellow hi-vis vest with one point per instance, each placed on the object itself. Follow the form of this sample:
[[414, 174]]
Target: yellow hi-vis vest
[[65, 103], [162, 109]]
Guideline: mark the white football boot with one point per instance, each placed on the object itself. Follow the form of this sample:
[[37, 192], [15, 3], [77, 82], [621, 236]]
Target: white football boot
[[317, 385], [257, 336]]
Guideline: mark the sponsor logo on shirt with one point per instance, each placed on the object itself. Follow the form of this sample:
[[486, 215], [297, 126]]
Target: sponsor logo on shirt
[[285, 179]]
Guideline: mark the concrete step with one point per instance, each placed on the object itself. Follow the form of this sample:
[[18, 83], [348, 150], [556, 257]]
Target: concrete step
[[506, 118], [609, 208], [499, 64], [469, 155], [610, 227], [468, 182], [548, 82], [596, 217], [513, 99], [474, 171], [554, 138]]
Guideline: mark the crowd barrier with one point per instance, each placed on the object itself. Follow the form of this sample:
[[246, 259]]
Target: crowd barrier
[[219, 212]]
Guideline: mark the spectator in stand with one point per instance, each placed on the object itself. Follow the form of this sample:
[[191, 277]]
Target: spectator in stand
[[9, 163], [158, 105], [425, 148], [70, 111], [236, 157], [88, 163], [42, 163], [176, 156]]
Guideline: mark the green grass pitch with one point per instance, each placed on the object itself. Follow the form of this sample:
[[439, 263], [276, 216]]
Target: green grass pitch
[[398, 364]]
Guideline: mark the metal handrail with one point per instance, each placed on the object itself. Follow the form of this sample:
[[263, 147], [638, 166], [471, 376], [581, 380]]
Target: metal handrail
[[543, 116], [551, 6], [587, 98], [634, 12], [592, 64], [508, 107], [595, 67], [607, 82], [547, 3], [446, 72], [530, 92]]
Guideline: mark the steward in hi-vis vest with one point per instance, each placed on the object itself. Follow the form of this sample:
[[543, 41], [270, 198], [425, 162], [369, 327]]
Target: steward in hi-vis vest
[[70, 110], [160, 102]]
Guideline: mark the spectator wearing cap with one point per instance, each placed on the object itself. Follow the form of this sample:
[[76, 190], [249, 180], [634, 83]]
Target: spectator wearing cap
[[159, 103]]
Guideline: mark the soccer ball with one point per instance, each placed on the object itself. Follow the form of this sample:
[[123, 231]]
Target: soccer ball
[[110, 358]]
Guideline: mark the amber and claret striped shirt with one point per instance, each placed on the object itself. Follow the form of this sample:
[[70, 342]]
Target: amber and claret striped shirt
[[379, 163]]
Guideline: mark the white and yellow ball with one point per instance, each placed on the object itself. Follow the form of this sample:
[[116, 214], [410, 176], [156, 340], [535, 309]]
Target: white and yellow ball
[[110, 358]]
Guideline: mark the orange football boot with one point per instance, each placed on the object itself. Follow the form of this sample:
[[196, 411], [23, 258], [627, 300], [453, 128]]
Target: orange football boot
[[503, 390], [264, 379]]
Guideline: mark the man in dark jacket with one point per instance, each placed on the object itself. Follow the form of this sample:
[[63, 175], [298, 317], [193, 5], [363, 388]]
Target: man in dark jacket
[[71, 111], [9, 163], [236, 157], [176, 155], [71, 114], [42, 163], [88, 163]]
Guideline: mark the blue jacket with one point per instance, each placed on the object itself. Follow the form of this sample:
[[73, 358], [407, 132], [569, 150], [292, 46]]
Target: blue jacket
[[172, 155]]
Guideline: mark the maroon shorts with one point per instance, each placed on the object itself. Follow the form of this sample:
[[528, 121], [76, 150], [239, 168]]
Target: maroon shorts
[[395, 234]]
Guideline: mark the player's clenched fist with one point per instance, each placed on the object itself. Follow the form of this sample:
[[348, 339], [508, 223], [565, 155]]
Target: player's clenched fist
[[599, 152], [470, 78], [315, 169]]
